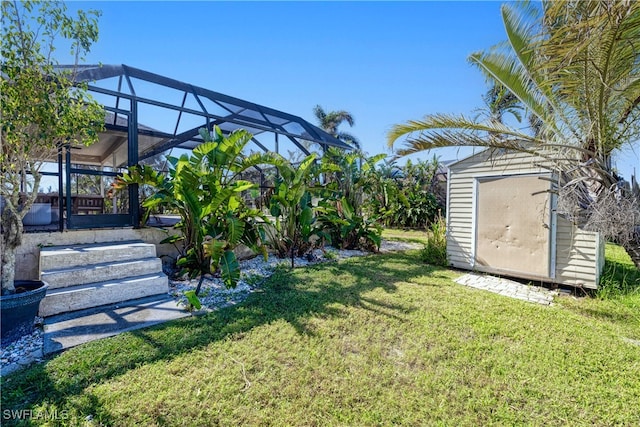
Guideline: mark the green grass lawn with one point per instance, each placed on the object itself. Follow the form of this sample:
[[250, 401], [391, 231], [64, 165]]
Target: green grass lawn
[[620, 279], [412, 236], [377, 340]]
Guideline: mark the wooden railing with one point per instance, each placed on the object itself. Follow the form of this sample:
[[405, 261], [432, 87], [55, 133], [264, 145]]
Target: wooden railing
[[81, 204]]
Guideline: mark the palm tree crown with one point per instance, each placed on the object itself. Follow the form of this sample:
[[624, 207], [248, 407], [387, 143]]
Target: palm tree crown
[[329, 121], [575, 67], [500, 101]]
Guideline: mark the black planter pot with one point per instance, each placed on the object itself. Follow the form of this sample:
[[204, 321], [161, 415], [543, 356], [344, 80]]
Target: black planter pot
[[19, 310]]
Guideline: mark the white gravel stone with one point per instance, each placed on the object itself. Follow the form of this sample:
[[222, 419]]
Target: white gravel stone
[[393, 246], [24, 351]]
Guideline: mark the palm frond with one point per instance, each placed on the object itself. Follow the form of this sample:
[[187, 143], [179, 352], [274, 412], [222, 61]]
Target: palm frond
[[341, 116], [349, 139], [318, 111], [510, 73], [458, 123], [329, 121]]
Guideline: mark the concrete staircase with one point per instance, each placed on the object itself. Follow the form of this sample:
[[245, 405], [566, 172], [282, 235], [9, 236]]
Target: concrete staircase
[[86, 276]]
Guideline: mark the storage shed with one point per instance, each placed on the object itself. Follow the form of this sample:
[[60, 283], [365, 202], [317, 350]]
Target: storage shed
[[501, 219]]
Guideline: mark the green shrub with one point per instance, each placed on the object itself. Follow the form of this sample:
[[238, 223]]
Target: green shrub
[[295, 231], [420, 209], [405, 197], [435, 250], [350, 179], [346, 229], [203, 187]]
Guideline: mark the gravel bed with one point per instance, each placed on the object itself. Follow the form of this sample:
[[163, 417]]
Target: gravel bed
[[393, 246], [213, 295], [23, 352]]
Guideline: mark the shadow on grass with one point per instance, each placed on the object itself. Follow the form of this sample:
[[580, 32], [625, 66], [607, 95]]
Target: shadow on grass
[[619, 315], [619, 289], [321, 290]]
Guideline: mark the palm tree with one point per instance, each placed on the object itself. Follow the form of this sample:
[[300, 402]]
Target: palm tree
[[329, 121], [499, 101], [575, 67]]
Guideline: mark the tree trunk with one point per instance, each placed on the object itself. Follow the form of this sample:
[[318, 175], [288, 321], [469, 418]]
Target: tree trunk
[[11, 238], [632, 246]]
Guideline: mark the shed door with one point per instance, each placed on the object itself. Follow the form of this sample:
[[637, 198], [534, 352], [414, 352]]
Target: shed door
[[513, 225]]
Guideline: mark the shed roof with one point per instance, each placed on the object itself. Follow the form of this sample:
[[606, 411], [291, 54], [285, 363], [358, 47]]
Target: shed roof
[[456, 162]]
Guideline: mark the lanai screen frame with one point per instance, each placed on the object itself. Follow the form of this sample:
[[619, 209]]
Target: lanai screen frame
[[255, 118], [268, 120]]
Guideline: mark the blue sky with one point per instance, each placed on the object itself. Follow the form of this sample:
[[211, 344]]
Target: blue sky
[[385, 62]]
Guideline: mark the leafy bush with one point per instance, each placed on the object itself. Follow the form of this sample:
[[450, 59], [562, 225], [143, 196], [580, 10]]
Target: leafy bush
[[435, 250], [408, 196], [203, 188], [349, 182], [348, 230], [417, 209], [295, 230]]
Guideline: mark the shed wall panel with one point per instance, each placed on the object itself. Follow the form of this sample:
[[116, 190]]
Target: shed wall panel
[[577, 256]]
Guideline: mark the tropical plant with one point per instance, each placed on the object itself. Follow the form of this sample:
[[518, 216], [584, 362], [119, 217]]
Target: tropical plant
[[350, 173], [347, 229], [329, 121], [575, 67], [405, 196], [349, 181], [417, 208], [41, 107], [435, 249], [295, 230], [498, 102], [205, 190], [383, 191]]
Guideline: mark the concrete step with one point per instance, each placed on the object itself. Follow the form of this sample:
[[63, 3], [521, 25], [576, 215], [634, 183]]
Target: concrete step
[[70, 329], [82, 275], [59, 257], [90, 295]]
